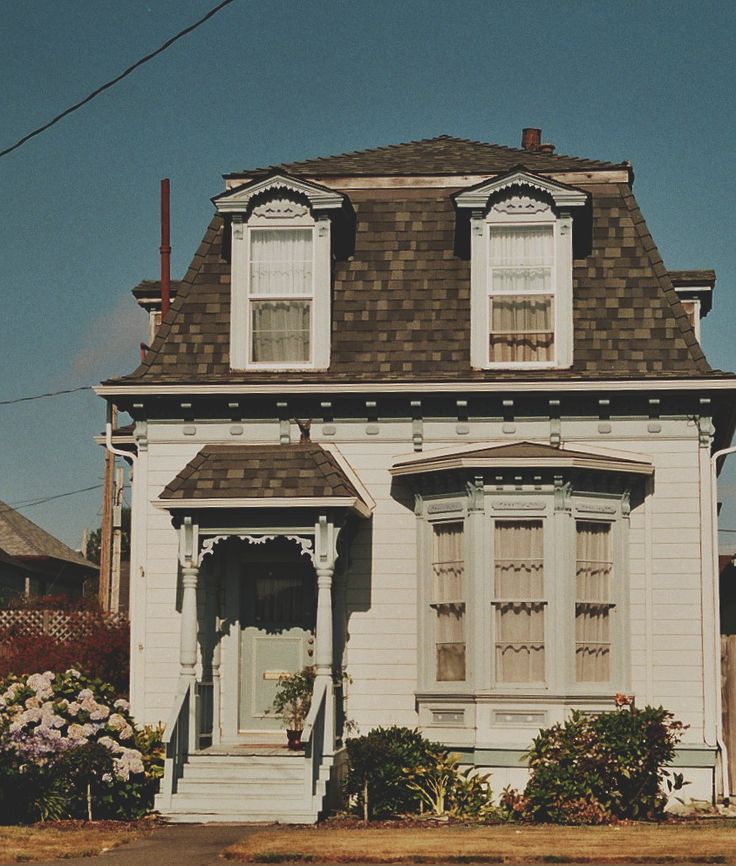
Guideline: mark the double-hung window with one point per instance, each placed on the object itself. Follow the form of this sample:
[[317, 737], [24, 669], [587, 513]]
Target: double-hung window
[[521, 294], [593, 601], [448, 594], [519, 601], [280, 296]]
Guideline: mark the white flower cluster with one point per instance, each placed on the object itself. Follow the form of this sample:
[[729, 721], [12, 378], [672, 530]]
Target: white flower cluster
[[39, 722]]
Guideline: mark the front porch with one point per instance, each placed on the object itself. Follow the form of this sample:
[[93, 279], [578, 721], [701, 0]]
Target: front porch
[[260, 595]]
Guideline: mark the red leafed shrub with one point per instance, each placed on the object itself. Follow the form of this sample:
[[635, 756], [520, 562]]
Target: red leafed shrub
[[102, 652]]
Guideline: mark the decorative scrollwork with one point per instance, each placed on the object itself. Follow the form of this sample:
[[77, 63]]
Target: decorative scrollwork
[[303, 541]]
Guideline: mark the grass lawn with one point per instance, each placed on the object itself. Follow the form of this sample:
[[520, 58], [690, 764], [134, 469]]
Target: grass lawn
[[706, 842], [62, 839]]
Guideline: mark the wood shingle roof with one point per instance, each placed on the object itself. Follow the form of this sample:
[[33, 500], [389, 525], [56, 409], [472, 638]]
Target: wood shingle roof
[[401, 303], [443, 155], [295, 471]]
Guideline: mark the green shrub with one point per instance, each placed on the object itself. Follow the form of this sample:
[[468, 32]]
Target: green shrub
[[379, 765], [592, 769]]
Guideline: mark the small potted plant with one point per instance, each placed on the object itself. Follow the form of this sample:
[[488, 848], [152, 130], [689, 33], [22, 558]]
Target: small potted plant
[[292, 702]]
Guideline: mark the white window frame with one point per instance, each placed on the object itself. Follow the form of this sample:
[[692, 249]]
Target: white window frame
[[276, 202], [520, 198], [241, 337]]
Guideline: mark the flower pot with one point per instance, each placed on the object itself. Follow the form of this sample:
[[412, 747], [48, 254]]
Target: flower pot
[[294, 740]]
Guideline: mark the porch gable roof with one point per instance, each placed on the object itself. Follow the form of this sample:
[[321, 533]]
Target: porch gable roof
[[294, 475]]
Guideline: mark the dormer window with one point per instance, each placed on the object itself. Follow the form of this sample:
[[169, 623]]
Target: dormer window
[[521, 271], [280, 296], [281, 273], [521, 293]]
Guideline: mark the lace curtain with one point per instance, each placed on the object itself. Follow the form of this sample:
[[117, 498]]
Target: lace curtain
[[280, 267], [521, 304], [448, 569], [519, 601], [594, 567]]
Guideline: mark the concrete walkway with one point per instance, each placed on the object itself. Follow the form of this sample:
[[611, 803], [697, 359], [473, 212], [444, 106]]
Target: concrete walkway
[[175, 845]]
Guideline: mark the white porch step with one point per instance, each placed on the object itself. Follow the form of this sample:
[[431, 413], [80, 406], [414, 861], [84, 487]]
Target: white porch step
[[242, 787]]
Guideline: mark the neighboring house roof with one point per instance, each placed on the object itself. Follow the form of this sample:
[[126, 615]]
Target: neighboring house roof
[[298, 471], [443, 155], [21, 538]]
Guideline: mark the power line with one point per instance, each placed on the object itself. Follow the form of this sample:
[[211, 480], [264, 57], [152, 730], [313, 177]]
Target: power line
[[29, 503], [47, 394], [111, 83]]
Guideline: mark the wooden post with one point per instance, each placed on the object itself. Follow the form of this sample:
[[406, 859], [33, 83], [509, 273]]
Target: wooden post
[[117, 532], [106, 523]]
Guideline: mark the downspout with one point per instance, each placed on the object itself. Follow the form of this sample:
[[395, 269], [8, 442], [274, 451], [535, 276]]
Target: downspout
[[723, 452], [134, 567]]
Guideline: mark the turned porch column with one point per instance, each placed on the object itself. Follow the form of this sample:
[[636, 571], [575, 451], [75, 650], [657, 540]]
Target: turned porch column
[[325, 556], [189, 561]]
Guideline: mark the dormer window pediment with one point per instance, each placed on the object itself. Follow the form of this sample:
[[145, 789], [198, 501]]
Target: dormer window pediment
[[521, 271], [280, 304]]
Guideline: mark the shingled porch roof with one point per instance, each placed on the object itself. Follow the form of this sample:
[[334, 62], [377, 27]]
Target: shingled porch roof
[[268, 476]]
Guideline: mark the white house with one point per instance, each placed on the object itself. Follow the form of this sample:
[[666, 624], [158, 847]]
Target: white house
[[433, 415]]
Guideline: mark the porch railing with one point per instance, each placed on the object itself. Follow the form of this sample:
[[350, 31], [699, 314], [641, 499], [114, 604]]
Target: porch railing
[[177, 739], [317, 736], [204, 713]]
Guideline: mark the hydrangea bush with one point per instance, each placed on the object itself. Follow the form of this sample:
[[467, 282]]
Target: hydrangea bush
[[70, 748]]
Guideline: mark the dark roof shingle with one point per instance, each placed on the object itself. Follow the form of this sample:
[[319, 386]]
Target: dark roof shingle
[[260, 471], [444, 154]]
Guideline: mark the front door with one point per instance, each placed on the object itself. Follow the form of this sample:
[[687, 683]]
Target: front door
[[277, 611]]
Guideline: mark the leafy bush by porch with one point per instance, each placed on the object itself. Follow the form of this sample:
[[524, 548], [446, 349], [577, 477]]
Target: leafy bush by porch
[[592, 769], [396, 771], [69, 748]]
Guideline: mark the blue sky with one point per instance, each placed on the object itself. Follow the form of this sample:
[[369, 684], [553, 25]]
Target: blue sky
[[265, 82]]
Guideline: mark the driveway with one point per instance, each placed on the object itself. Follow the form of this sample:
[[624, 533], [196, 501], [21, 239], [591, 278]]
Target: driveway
[[175, 845]]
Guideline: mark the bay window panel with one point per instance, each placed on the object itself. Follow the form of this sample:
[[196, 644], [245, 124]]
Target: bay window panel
[[281, 262], [519, 601], [448, 574], [280, 331], [594, 570]]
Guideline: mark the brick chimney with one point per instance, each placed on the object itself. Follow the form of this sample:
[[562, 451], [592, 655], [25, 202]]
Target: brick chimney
[[531, 138]]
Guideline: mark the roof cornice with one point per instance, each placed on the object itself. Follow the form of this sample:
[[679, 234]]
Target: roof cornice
[[141, 389]]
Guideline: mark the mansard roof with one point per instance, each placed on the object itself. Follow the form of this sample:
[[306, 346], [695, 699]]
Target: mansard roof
[[442, 155], [401, 303]]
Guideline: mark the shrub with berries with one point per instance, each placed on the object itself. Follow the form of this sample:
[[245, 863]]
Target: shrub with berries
[[70, 749]]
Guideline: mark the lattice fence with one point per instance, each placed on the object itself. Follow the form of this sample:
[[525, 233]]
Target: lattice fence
[[60, 624]]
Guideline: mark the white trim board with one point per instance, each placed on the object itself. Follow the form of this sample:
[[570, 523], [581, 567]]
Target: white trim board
[[460, 387]]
